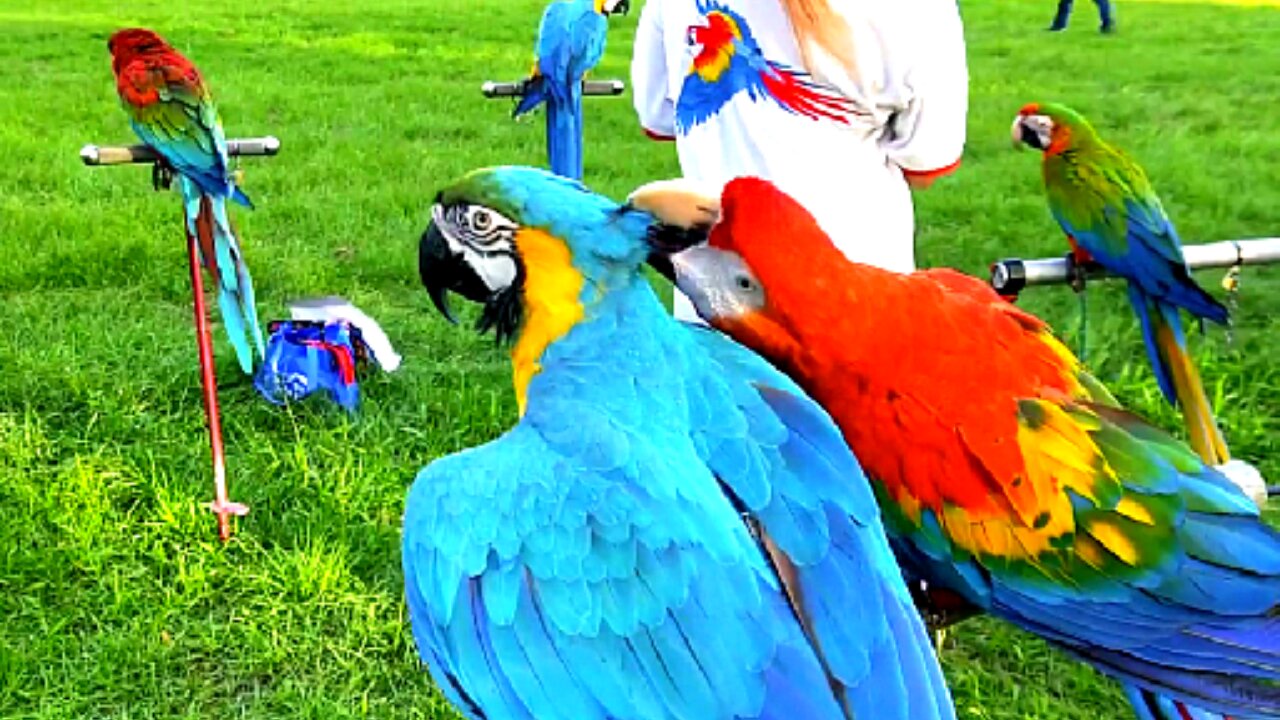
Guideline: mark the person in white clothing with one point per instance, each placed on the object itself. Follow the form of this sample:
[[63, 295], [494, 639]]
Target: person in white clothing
[[843, 104]]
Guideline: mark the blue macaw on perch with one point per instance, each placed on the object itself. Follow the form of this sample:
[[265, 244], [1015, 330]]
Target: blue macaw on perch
[[672, 529], [571, 40]]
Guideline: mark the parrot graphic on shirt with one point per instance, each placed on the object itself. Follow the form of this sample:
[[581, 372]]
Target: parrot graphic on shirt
[[1111, 215], [172, 111], [668, 531], [729, 61], [571, 40], [1006, 473]]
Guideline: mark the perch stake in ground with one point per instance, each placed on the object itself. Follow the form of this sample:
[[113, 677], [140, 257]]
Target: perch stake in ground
[[94, 155]]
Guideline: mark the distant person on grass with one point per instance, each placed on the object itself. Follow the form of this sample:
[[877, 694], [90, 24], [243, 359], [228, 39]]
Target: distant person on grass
[[1064, 14], [843, 104]]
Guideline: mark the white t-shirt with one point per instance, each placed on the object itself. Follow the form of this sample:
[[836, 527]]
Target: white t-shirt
[[726, 80]]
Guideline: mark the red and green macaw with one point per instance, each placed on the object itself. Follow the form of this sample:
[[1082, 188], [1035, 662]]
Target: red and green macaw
[[1007, 473], [571, 40], [1112, 216], [171, 110]]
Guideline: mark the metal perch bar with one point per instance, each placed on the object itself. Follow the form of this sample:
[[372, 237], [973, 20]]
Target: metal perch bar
[[94, 155], [1009, 277], [598, 88]]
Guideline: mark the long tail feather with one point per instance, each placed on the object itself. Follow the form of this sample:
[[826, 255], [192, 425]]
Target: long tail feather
[[1177, 374], [207, 221], [564, 133], [1226, 695], [1149, 706]]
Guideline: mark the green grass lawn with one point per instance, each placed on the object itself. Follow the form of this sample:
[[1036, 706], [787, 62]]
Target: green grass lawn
[[116, 599]]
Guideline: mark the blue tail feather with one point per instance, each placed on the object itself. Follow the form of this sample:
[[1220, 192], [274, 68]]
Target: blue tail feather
[[564, 133], [1143, 307], [235, 287], [1149, 706], [1231, 695]]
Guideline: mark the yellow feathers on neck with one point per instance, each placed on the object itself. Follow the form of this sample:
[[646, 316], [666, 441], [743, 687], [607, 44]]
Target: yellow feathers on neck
[[552, 288]]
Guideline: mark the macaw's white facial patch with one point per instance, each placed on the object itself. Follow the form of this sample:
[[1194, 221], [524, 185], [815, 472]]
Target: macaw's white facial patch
[[484, 238], [718, 282], [1033, 130]]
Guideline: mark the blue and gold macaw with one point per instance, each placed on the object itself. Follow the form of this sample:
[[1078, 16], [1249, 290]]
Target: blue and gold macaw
[[571, 40], [672, 529]]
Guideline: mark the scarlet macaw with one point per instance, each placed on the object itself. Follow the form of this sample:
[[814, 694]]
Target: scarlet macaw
[[1005, 471]]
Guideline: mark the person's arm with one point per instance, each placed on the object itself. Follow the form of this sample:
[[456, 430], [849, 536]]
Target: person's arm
[[650, 86], [926, 138]]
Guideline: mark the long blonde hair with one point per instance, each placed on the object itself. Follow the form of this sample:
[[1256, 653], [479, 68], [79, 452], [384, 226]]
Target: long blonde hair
[[815, 23]]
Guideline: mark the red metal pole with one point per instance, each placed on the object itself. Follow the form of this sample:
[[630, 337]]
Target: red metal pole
[[209, 382]]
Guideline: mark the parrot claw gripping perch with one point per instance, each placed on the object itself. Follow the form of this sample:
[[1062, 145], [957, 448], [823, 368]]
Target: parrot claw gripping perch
[[161, 175], [1078, 273]]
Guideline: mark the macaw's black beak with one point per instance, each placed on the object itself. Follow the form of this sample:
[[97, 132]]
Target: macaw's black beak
[[442, 269], [682, 214], [1032, 138], [622, 8], [667, 240], [1024, 134]]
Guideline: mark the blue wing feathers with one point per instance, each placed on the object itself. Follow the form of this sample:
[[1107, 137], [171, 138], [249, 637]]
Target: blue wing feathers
[[535, 93], [1197, 628], [823, 515], [1146, 309], [1241, 543], [614, 577]]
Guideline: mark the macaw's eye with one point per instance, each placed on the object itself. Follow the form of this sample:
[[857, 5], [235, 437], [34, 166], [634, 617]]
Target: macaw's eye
[[480, 219], [745, 282], [691, 35]]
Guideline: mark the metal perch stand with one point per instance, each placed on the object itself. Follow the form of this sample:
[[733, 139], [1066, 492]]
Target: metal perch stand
[[590, 88], [94, 155], [1010, 277]]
